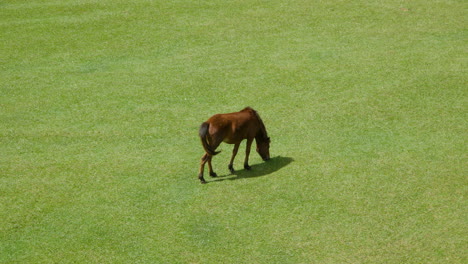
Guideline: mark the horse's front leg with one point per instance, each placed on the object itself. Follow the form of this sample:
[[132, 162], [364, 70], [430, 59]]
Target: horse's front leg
[[234, 153], [247, 153]]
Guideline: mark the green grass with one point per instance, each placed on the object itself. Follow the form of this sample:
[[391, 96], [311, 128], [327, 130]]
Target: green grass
[[365, 102]]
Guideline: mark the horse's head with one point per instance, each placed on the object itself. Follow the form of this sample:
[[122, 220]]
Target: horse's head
[[263, 149]]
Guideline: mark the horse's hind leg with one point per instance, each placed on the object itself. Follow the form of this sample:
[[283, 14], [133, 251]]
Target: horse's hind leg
[[234, 153], [212, 173], [204, 159]]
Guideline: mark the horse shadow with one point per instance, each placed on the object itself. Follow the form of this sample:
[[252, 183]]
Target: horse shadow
[[257, 170]]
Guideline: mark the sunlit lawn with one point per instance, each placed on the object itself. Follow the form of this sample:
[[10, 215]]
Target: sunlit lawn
[[365, 103]]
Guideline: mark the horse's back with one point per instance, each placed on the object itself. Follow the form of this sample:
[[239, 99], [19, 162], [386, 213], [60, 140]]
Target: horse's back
[[237, 119], [233, 127]]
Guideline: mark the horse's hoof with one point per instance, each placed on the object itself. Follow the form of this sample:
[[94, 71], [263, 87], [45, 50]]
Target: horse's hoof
[[200, 177], [214, 175], [231, 168], [247, 167]]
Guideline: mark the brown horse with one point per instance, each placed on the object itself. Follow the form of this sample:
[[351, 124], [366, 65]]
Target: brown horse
[[232, 128]]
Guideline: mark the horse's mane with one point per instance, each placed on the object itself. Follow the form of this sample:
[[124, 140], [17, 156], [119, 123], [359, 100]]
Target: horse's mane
[[263, 133]]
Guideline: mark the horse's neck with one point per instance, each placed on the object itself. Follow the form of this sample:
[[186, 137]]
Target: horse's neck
[[261, 134]]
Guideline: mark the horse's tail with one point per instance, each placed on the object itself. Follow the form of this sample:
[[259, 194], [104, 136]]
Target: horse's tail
[[203, 133]]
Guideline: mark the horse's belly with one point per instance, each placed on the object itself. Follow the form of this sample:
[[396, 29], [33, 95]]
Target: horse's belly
[[230, 140]]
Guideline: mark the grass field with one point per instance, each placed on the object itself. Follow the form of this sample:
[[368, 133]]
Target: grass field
[[365, 103]]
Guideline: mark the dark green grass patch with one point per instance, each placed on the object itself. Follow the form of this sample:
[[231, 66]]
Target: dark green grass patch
[[100, 103]]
